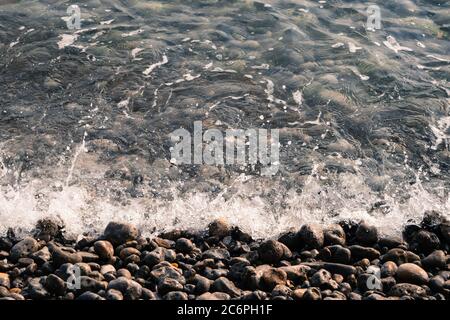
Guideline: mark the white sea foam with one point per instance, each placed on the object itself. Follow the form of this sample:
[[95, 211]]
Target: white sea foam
[[245, 203]]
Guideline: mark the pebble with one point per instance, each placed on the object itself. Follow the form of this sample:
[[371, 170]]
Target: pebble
[[366, 234], [113, 294], [126, 252], [90, 296], [360, 252], [55, 285], [323, 280], [411, 273], [24, 248], [184, 245], [312, 235], [176, 295], [216, 254], [202, 284], [166, 285], [223, 284], [130, 289], [336, 253], [272, 277], [104, 249], [407, 289], [334, 234], [436, 259], [119, 233], [272, 251], [61, 256], [219, 228], [424, 242], [312, 294], [41, 256], [388, 269], [396, 255]]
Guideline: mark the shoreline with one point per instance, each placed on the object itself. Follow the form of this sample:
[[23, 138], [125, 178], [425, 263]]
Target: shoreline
[[345, 261]]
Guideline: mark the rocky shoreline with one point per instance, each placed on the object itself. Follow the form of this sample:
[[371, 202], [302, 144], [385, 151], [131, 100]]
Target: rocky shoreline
[[345, 261]]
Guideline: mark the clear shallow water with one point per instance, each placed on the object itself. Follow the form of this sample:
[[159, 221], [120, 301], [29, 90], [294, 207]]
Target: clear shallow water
[[86, 114]]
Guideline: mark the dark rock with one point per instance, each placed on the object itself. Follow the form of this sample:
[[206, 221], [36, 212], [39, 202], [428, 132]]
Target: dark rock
[[437, 284], [241, 236], [411, 273], [424, 242], [336, 295], [281, 291], [90, 284], [334, 235], [126, 252], [366, 234], [444, 230], [88, 256], [396, 255], [47, 229], [6, 243], [176, 295], [90, 296], [35, 289], [216, 254], [104, 249], [436, 259], [219, 228], [24, 248], [147, 294], [42, 256], [113, 294], [387, 283], [312, 235], [407, 289], [272, 277], [312, 294], [168, 272], [201, 283], [336, 253], [222, 284], [323, 280], [124, 273], [388, 269], [254, 295], [166, 285], [360, 252], [297, 273], [184, 245], [213, 274], [237, 270], [390, 242], [354, 296], [291, 239], [55, 285], [62, 255], [130, 289], [338, 268], [165, 243], [272, 251], [432, 220], [119, 233]]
